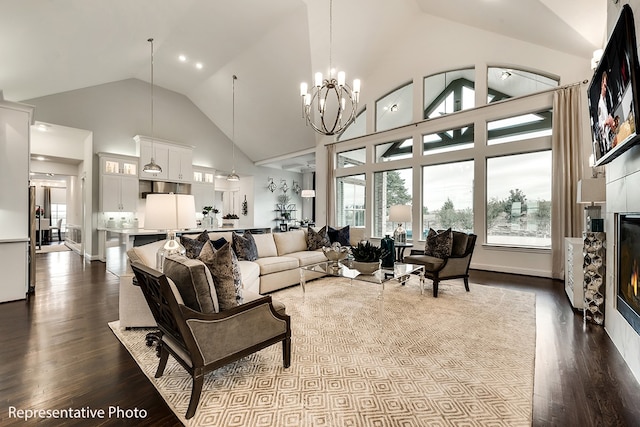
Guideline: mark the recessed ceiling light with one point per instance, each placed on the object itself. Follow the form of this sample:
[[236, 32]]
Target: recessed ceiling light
[[199, 65], [182, 58], [40, 158], [42, 127]]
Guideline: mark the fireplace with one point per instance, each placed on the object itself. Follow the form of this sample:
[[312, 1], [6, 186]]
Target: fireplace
[[628, 262]]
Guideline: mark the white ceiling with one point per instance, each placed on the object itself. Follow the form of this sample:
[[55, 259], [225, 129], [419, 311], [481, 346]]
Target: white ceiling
[[55, 46]]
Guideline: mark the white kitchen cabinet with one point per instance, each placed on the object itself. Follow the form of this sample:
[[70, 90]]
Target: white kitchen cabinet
[[118, 183], [174, 159], [203, 187], [180, 164]]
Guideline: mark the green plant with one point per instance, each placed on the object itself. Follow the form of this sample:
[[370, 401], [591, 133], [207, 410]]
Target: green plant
[[207, 209], [366, 252]]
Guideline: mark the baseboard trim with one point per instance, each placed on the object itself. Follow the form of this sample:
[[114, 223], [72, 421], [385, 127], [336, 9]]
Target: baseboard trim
[[510, 270]]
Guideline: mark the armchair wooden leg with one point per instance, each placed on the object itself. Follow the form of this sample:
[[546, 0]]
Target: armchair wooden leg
[[466, 283], [198, 381], [435, 288], [286, 352], [164, 357]]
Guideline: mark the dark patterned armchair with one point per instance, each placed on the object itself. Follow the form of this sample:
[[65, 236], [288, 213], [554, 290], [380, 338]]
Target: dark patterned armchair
[[453, 266], [203, 342]]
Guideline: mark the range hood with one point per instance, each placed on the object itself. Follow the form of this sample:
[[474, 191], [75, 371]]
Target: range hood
[[162, 187]]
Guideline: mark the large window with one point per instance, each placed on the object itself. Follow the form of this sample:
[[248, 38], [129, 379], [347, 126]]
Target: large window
[[390, 188], [447, 195], [507, 83], [348, 159], [446, 93], [519, 200], [350, 192], [395, 109], [517, 128], [394, 150], [357, 128], [448, 140]]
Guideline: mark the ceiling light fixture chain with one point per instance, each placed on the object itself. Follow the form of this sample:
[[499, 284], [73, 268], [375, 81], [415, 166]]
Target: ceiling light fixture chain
[[331, 104], [152, 167], [233, 176]]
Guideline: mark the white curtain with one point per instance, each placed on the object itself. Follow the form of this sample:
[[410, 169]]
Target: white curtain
[[567, 143]]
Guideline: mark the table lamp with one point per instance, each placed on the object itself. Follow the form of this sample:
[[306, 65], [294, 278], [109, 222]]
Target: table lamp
[[400, 214], [590, 192], [170, 212]]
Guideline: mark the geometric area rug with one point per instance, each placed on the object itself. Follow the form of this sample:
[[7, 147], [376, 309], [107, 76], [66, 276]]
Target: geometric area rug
[[361, 359]]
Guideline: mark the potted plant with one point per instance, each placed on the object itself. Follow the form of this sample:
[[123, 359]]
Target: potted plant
[[209, 214], [366, 257]]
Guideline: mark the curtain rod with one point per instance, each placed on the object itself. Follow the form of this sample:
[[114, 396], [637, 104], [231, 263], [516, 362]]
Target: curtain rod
[[583, 82]]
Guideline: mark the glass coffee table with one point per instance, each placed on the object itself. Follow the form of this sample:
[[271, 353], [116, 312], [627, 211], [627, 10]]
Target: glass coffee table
[[400, 272]]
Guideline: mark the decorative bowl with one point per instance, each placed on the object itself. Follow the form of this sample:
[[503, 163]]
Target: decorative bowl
[[336, 253], [366, 267]]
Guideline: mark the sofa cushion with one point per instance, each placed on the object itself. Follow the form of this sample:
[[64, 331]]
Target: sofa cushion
[[265, 245], [459, 245], [308, 257], [439, 243], [193, 245], [217, 235], [223, 265], [249, 271], [290, 241], [194, 282], [276, 264], [356, 235], [245, 246], [145, 254], [340, 235], [317, 239], [430, 263]]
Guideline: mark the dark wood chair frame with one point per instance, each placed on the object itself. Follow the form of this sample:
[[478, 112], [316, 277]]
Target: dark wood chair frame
[[441, 273], [173, 321]]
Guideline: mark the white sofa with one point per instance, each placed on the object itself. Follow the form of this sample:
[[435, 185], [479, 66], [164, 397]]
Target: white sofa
[[280, 255]]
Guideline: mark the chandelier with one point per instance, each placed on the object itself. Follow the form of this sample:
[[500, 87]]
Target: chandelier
[[330, 106], [152, 167]]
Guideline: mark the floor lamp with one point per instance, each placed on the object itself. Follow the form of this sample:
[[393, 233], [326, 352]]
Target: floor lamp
[[170, 212], [400, 214]]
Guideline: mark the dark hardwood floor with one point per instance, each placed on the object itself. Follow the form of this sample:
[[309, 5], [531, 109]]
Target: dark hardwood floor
[[57, 352]]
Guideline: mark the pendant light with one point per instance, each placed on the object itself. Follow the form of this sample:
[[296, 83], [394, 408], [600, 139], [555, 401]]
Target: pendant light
[[152, 167], [233, 176]]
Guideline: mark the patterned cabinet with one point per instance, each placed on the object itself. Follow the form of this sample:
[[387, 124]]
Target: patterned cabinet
[[573, 276], [594, 276]]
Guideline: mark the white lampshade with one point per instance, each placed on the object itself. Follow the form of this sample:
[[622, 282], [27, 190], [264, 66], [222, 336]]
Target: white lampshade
[[308, 193], [591, 190], [400, 213], [170, 212]]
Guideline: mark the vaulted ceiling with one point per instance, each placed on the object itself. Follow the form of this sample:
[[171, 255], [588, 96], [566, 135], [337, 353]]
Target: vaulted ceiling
[[49, 47]]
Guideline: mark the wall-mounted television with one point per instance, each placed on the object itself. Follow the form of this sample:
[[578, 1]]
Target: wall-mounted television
[[613, 93]]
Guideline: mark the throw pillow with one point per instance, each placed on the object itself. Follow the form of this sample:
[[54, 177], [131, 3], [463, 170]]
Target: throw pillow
[[219, 243], [194, 245], [244, 246], [340, 235], [317, 239], [223, 265], [439, 243], [192, 281]]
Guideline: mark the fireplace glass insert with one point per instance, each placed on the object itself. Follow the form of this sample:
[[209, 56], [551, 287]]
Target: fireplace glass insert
[[628, 258]]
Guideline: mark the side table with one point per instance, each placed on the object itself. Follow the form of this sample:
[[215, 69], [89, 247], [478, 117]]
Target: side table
[[400, 247]]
